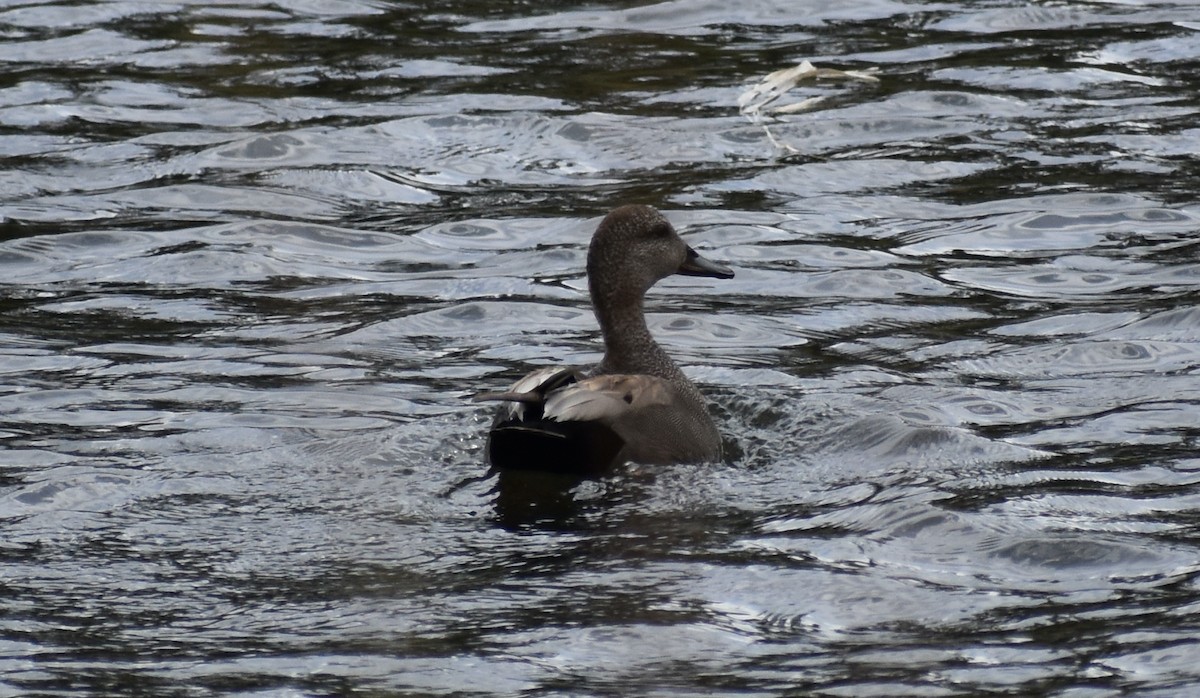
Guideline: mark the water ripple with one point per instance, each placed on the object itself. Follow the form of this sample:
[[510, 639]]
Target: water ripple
[[1072, 278], [1087, 358]]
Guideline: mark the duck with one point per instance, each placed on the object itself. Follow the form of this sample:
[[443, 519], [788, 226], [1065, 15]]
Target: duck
[[636, 404]]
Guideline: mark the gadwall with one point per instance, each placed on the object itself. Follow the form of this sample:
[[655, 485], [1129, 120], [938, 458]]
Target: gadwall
[[636, 405]]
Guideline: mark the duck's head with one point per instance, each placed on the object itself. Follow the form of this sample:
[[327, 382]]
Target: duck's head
[[634, 247]]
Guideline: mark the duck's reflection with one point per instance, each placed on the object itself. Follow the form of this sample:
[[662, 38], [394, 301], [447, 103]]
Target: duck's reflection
[[527, 498]]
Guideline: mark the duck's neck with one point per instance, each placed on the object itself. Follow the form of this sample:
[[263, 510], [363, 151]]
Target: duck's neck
[[628, 345]]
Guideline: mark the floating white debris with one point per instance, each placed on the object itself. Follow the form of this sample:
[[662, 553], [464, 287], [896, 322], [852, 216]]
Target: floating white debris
[[756, 101]]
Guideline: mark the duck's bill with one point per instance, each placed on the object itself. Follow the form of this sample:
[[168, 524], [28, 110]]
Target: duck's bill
[[695, 265]]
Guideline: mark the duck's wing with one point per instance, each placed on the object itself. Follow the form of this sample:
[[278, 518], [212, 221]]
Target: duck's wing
[[531, 390], [606, 398]]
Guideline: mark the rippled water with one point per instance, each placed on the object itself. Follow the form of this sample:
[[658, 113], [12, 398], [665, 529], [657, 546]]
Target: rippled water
[[255, 258]]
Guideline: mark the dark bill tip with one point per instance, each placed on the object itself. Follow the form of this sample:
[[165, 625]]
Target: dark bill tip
[[695, 265]]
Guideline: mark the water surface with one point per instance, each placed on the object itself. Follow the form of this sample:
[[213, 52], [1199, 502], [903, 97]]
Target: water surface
[[255, 258]]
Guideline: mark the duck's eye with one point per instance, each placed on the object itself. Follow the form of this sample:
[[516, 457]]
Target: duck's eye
[[661, 230]]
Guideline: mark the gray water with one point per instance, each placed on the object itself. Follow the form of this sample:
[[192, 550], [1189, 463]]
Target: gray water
[[255, 258]]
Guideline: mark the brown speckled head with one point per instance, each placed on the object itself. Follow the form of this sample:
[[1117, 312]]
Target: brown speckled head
[[634, 247]]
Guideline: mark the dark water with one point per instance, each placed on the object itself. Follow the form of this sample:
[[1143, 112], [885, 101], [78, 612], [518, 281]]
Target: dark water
[[255, 258]]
